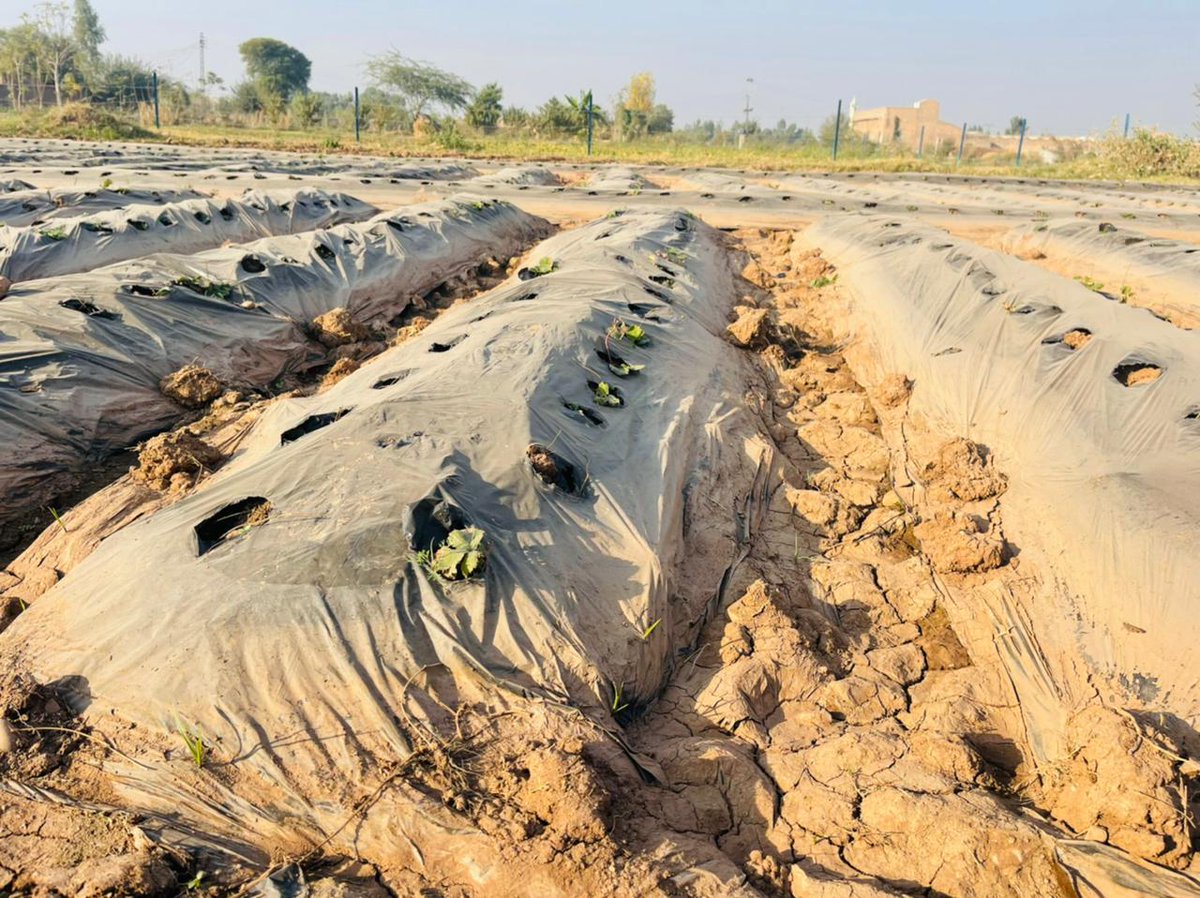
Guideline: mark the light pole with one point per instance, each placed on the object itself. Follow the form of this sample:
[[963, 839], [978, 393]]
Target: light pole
[[748, 109]]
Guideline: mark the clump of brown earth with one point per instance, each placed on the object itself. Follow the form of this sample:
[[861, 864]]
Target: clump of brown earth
[[337, 328], [192, 386], [341, 369], [175, 459]]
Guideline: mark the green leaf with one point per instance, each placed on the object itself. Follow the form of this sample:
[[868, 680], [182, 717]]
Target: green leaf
[[472, 563], [605, 396], [624, 369]]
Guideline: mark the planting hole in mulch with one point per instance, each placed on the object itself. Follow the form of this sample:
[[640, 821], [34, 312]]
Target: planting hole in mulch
[[575, 410], [230, 522], [1133, 374], [553, 469], [448, 345], [311, 424], [1075, 338], [252, 264], [90, 309]]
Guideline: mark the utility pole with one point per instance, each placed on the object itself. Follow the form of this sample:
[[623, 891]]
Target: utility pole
[[203, 71], [748, 108]]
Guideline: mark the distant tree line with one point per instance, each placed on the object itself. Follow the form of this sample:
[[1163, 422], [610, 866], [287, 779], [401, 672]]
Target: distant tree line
[[54, 56]]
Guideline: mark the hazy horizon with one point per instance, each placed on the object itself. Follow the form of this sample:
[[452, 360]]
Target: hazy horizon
[[1071, 68]]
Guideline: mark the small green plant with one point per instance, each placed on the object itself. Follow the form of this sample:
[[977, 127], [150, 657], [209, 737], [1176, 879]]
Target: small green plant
[[911, 208], [58, 520], [1090, 282], [194, 740], [650, 629], [617, 705], [196, 882], [1126, 293], [624, 369], [544, 265], [604, 395], [106, 183], [331, 143], [615, 213], [479, 205], [633, 333], [823, 281], [204, 286], [678, 256], [1128, 215], [460, 557], [54, 233]]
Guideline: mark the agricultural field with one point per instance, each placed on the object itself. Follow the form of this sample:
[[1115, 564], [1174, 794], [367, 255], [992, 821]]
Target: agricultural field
[[472, 527]]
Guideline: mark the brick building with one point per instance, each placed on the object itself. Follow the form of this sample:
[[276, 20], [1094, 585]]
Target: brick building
[[903, 124]]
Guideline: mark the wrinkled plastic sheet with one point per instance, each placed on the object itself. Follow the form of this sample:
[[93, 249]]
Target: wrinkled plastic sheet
[[105, 238], [292, 644], [1104, 478], [27, 207], [1163, 274], [81, 356]]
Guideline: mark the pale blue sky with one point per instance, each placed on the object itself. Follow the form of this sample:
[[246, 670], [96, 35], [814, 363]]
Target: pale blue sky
[[1071, 67]]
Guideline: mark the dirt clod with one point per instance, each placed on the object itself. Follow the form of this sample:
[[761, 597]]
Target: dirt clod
[[961, 471], [543, 463], [410, 330], [748, 329], [956, 544], [162, 458], [893, 391], [192, 386], [341, 369], [337, 327]]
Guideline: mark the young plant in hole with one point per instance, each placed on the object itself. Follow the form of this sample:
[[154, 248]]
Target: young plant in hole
[[633, 333], [1126, 293], [603, 395], [678, 256], [544, 265], [823, 281], [204, 286], [194, 740], [462, 556], [1091, 283], [617, 705], [54, 233]]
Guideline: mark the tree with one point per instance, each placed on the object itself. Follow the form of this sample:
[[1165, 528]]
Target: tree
[[639, 95], [569, 115], [485, 110], [845, 134], [515, 117], [55, 46], [120, 81], [661, 119], [276, 70], [1015, 124], [418, 86], [87, 31]]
